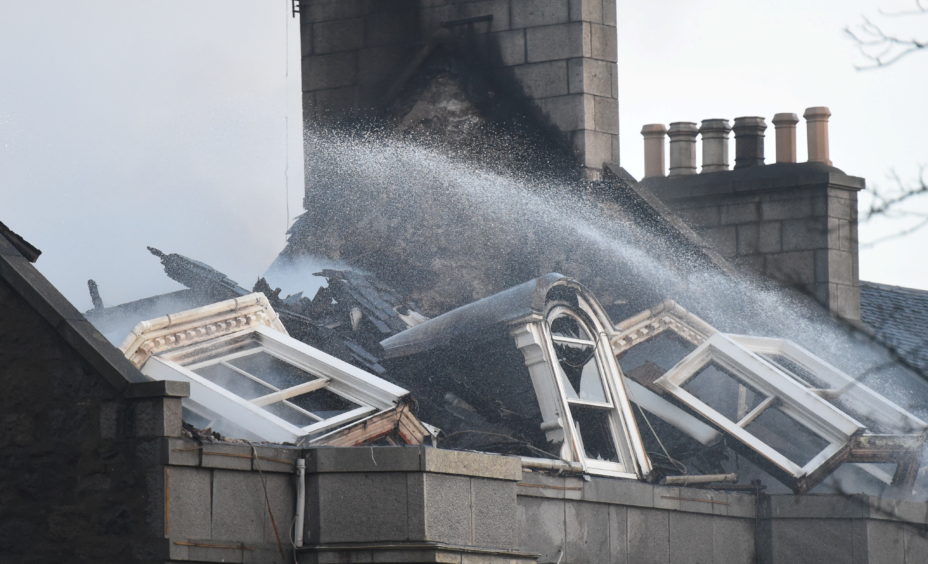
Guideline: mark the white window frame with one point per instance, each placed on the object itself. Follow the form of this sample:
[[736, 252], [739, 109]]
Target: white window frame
[[609, 407], [840, 384], [782, 391], [534, 340], [369, 392]]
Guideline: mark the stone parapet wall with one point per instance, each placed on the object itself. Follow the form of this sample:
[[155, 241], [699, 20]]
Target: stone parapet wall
[[225, 502], [560, 54], [576, 520]]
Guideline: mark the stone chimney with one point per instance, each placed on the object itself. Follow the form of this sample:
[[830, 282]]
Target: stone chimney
[[794, 222], [558, 55]]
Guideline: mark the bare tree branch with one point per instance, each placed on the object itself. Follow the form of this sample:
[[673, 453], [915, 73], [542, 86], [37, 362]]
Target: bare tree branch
[[890, 204], [882, 48], [884, 203], [896, 235], [920, 7]]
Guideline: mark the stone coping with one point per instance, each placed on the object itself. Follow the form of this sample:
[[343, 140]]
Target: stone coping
[[761, 178], [410, 552], [413, 459], [622, 491], [282, 458], [230, 456]]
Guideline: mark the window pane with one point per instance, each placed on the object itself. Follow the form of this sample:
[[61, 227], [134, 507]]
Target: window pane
[[324, 403], [567, 326], [723, 391], [272, 370], [580, 372], [795, 370], [238, 384], [595, 432], [288, 413], [649, 360], [789, 437]]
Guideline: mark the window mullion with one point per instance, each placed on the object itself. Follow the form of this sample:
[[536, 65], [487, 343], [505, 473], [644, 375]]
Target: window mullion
[[573, 341], [754, 413], [280, 395], [248, 375]]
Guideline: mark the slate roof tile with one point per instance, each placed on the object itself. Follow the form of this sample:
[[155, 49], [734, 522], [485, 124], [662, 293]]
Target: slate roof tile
[[899, 318]]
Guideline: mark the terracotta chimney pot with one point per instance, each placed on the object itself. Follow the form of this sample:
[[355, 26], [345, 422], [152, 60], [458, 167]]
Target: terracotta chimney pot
[[785, 125], [817, 133]]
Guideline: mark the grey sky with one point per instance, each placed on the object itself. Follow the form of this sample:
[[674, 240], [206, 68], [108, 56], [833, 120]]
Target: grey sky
[[129, 123]]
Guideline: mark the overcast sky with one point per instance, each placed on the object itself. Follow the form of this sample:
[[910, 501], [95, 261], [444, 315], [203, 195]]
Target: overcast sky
[[175, 123]]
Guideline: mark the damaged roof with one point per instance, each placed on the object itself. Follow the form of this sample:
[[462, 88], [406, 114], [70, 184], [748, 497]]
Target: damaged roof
[[479, 319], [346, 319]]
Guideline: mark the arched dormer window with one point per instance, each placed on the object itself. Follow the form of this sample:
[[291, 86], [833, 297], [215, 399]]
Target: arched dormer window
[[588, 409]]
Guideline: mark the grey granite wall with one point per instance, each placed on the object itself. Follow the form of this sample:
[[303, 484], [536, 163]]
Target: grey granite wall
[[560, 54], [796, 223], [78, 480]]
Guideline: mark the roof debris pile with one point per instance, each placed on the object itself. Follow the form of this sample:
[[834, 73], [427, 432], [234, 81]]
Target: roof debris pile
[[347, 318]]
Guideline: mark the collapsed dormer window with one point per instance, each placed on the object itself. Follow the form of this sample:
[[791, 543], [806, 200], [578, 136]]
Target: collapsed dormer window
[[802, 416], [760, 406], [875, 412], [583, 383], [280, 384], [589, 413], [249, 379]]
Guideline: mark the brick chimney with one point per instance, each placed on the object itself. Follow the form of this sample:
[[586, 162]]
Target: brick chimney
[[560, 55], [794, 222]]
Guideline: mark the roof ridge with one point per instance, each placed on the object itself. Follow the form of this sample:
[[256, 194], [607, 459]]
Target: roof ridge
[[29, 251]]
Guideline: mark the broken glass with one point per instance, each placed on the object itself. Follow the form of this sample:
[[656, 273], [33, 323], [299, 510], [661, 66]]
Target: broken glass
[[595, 432], [650, 359], [576, 355], [323, 403]]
